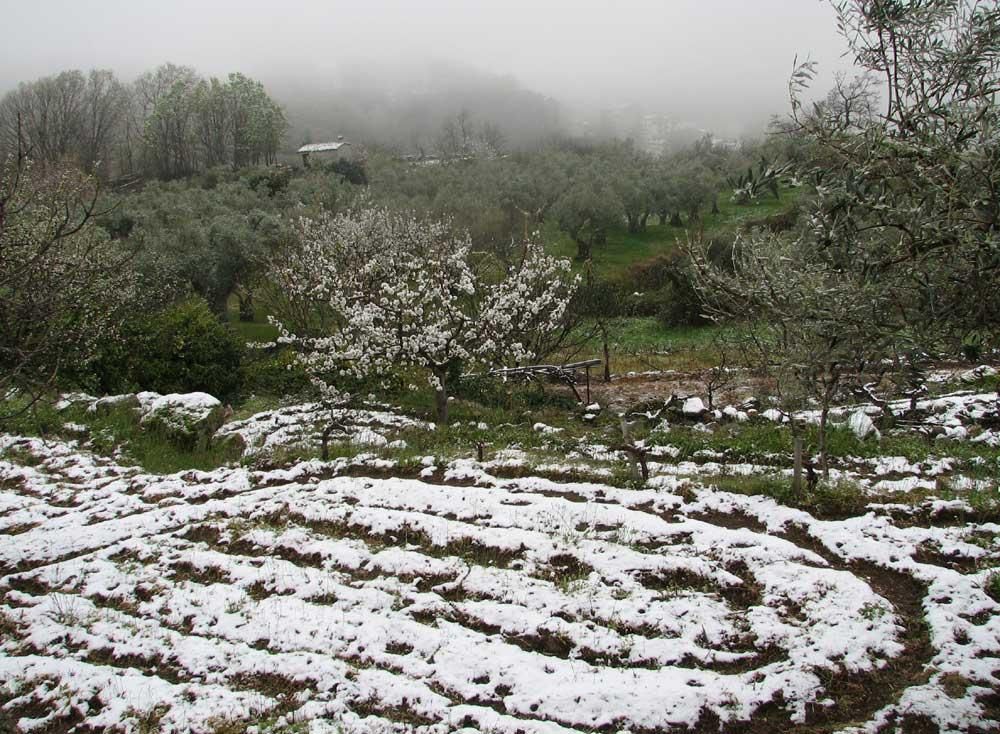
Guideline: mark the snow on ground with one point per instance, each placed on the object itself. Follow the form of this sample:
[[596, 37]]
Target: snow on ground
[[361, 604], [300, 426]]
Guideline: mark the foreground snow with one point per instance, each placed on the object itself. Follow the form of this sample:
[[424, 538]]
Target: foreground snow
[[393, 604]]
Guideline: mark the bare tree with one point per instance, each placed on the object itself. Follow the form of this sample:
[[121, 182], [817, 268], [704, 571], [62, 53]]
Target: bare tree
[[64, 286], [69, 117]]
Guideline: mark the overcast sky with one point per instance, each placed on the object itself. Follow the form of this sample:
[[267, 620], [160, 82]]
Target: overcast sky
[[711, 58]]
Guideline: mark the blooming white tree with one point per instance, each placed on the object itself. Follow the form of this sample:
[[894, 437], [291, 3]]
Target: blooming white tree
[[373, 290]]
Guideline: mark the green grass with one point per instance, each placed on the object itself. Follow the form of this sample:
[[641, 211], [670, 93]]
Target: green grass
[[758, 441], [258, 330], [827, 499], [623, 249], [640, 343], [119, 430]]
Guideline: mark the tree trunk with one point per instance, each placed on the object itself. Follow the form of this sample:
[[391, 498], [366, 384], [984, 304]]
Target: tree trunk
[[675, 220], [823, 416], [637, 470], [582, 249], [797, 471], [715, 204], [441, 397], [607, 354], [246, 306]]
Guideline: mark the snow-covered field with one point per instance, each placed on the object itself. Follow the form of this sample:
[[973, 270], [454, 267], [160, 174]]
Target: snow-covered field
[[310, 598]]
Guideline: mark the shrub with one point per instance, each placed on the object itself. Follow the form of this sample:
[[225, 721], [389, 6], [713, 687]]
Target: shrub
[[603, 298], [513, 395], [184, 348], [992, 585], [272, 179], [274, 373], [666, 285], [351, 171]]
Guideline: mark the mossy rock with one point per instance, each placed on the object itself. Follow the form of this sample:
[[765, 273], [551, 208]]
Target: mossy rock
[[186, 418]]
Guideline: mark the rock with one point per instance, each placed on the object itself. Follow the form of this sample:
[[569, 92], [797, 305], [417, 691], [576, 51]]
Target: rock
[[774, 415], [368, 437], [978, 373], [589, 417], [593, 408], [733, 414], [862, 425], [542, 428], [694, 408], [956, 432], [146, 399], [185, 417], [940, 406], [106, 405], [74, 398]]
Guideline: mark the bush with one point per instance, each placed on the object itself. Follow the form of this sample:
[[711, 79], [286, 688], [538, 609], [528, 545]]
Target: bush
[[272, 179], [668, 291], [274, 373], [603, 298], [783, 221], [184, 348], [351, 171], [514, 395], [680, 305]]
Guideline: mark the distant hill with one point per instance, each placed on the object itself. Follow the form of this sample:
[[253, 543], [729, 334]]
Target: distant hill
[[407, 112]]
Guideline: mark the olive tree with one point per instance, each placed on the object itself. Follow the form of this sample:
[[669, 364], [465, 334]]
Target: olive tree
[[588, 207], [378, 290], [810, 326], [907, 196], [899, 250]]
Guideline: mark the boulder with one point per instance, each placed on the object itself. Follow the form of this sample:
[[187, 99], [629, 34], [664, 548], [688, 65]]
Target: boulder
[[68, 400], [185, 417], [106, 405], [734, 414], [978, 373], [694, 408], [774, 415], [862, 426]]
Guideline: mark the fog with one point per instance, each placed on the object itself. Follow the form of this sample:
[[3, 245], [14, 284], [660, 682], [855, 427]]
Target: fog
[[719, 65]]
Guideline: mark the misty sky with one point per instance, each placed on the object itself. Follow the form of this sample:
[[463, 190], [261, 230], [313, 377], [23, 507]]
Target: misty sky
[[708, 60]]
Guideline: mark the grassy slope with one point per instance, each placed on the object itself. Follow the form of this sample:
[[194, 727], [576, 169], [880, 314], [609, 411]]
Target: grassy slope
[[643, 343], [623, 249], [258, 330]]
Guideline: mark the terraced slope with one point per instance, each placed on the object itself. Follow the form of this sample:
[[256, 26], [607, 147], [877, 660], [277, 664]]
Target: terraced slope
[[299, 600]]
